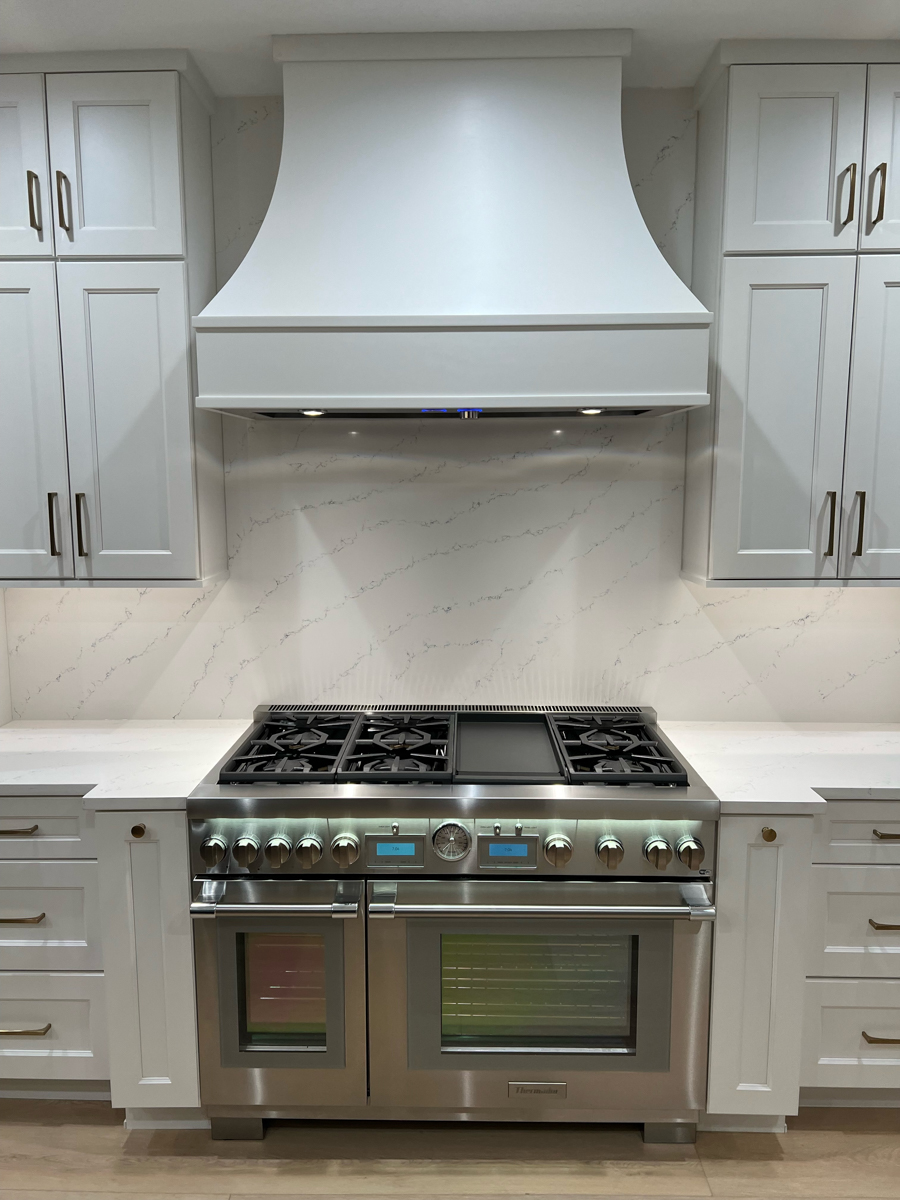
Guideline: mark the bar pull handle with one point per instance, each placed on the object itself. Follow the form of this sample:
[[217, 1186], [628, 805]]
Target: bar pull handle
[[79, 524], [861, 497], [30, 831], [34, 202], [63, 202], [51, 517], [851, 207], [831, 497], [881, 170], [886, 837], [42, 1032], [23, 920], [878, 925], [876, 1041]]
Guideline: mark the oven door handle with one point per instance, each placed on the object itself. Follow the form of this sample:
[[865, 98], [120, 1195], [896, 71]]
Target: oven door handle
[[695, 907], [346, 904]]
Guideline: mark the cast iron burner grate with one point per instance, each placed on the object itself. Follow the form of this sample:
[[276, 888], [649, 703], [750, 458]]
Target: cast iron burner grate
[[414, 744], [600, 749], [279, 750]]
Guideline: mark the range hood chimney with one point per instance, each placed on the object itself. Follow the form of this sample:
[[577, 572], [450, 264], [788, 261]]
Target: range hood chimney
[[453, 231]]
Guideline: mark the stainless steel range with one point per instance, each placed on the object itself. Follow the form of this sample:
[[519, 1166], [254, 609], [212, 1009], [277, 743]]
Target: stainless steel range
[[453, 912]]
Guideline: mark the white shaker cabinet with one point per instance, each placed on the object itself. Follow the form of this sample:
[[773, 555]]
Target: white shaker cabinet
[[124, 327], [759, 965], [35, 537], [784, 359], [115, 157], [26, 211], [148, 957], [881, 184]]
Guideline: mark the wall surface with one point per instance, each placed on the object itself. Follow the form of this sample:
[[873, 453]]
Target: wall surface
[[483, 561]]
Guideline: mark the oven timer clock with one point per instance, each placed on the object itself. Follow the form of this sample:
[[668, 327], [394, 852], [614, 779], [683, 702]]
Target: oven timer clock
[[451, 841]]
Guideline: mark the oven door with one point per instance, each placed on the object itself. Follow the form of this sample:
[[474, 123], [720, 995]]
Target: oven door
[[280, 992], [571, 997]]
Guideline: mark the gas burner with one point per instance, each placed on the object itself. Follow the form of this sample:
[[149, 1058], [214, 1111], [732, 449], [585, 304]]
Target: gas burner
[[396, 763], [418, 744], [278, 750], [403, 736], [616, 750]]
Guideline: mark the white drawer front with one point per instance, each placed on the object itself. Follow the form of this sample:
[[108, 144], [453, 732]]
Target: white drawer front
[[837, 1013], [64, 895], [845, 832], [73, 1005], [64, 828], [843, 901]]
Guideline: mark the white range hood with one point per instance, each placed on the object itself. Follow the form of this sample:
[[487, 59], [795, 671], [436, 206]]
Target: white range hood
[[453, 230]]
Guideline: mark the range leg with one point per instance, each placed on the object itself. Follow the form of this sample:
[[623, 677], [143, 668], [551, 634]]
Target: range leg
[[670, 1131], [236, 1129]]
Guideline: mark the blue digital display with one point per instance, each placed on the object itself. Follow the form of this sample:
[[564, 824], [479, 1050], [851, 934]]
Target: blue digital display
[[395, 849], [508, 850]]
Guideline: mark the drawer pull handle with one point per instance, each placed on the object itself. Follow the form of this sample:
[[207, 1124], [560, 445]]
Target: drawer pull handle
[[878, 925], [874, 1041], [26, 1032], [23, 920], [29, 832], [886, 837]]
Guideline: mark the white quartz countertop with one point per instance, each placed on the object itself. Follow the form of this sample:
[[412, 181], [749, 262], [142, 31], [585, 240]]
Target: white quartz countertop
[[759, 767], [752, 768], [115, 764]]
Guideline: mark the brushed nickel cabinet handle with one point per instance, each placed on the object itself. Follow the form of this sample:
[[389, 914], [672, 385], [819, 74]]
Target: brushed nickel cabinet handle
[[886, 837], [851, 207], [874, 1041], [55, 551], [30, 831], [34, 202], [881, 170], [63, 202], [878, 925], [27, 1032], [861, 497], [23, 920], [831, 497], [79, 524]]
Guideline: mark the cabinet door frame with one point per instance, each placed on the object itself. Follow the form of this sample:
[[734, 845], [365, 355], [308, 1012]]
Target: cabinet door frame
[[749, 85], [158, 91], [165, 280], [882, 163], [44, 407], [147, 946], [835, 277], [759, 966], [25, 93]]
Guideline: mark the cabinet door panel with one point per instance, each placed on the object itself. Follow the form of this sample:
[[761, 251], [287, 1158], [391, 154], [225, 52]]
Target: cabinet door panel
[[835, 1053], [795, 139], [881, 185], [34, 485], [128, 407], [872, 520], [843, 903], [114, 138], [784, 356], [26, 214]]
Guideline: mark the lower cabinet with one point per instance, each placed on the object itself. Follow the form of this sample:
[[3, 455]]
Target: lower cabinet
[[53, 1025], [759, 965], [851, 1033], [147, 952]]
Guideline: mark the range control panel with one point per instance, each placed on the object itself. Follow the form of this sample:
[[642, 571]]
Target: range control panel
[[454, 846]]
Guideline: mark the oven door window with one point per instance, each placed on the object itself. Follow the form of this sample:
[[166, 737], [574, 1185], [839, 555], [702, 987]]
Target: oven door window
[[282, 1003], [538, 993]]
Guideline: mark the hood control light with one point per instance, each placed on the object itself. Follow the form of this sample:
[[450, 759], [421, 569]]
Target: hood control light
[[591, 412], [313, 412]]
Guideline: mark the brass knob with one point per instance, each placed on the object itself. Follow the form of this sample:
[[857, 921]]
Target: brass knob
[[557, 850], [212, 851], [138, 831], [610, 851], [277, 851], [690, 851], [245, 851], [658, 852], [345, 850], [309, 851], [769, 835]]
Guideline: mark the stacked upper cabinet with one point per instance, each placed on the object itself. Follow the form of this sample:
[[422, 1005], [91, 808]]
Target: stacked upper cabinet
[[107, 475], [791, 474]]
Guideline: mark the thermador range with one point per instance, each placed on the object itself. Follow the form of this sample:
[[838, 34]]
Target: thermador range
[[453, 913]]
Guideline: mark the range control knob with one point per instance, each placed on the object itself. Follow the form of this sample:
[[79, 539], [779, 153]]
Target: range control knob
[[610, 851], [658, 852], [557, 850], [690, 851], [278, 851], [309, 851], [345, 850], [212, 851], [245, 851]]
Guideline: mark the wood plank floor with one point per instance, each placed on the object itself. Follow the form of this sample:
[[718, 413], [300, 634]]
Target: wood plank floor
[[53, 1150]]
